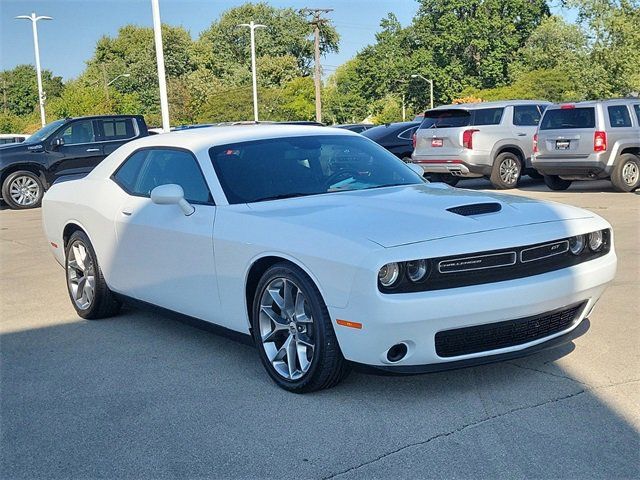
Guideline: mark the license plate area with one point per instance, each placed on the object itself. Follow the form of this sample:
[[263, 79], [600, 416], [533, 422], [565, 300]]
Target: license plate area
[[562, 144], [436, 142]]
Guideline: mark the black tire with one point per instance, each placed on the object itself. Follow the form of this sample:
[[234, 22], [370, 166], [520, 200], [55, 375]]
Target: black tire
[[103, 303], [447, 178], [535, 174], [556, 183], [327, 366], [506, 171], [31, 186], [626, 173]]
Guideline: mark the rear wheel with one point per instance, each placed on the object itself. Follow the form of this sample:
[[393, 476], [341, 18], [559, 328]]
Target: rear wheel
[[506, 171], [444, 178], [292, 329], [554, 182], [22, 190], [87, 288], [626, 174]]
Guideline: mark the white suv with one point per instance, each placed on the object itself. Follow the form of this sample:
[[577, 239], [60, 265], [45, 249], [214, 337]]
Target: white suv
[[488, 139]]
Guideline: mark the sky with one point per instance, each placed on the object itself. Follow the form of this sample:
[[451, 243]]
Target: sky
[[68, 41]]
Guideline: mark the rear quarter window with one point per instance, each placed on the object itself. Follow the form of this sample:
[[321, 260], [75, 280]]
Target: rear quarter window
[[568, 118], [526, 115], [619, 116], [636, 107]]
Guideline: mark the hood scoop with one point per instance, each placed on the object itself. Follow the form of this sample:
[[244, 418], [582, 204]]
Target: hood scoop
[[475, 209]]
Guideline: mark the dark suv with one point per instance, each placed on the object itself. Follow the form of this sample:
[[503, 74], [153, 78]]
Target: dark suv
[[64, 147]]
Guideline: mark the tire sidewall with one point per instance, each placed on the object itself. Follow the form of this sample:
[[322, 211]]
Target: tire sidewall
[[318, 310], [82, 237], [617, 179], [6, 194], [555, 183], [496, 179]]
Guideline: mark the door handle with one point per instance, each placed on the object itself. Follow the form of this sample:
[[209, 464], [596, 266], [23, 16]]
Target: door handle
[[521, 134], [126, 212], [93, 149]]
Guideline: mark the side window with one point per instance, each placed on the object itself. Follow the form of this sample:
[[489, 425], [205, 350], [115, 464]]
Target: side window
[[78, 132], [636, 107], [526, 115], [117, 129], [487, 116], [619, 116], [146, 169]]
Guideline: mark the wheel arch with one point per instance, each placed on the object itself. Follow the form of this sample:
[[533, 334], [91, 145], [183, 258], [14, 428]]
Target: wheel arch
[[514, 149], [635, 150], [36, 169], [257, 269]]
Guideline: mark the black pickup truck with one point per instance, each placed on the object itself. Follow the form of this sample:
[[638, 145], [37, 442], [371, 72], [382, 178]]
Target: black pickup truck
[[64, 147]]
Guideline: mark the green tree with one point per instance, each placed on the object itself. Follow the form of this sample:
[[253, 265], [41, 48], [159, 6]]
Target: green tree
[[19, 89]]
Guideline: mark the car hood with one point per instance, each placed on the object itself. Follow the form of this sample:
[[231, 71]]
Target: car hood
[[395, 216]]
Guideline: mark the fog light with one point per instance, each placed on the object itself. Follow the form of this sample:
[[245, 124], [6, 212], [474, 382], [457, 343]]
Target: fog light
[[416, 270], [397, 352], [576, 244], [389, 274], [596, 240]]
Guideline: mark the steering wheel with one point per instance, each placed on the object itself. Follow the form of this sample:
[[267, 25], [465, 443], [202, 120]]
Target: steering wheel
[[336, 177]]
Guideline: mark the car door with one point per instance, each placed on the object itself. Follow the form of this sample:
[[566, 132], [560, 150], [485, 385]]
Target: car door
[[116, 131], [74, 149], [163, 256], [524, 124]]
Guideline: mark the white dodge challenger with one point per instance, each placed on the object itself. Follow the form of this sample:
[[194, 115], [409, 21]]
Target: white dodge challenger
[[327, 250]]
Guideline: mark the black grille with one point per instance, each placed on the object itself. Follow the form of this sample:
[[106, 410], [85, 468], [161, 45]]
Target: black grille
[[476, 209], [481, 338]]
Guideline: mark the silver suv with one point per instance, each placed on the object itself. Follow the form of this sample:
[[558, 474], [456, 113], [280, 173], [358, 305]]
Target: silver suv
[[588, 141], [489, 139]]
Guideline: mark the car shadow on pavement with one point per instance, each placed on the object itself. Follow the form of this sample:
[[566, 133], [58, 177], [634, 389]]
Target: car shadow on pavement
[[535, 185], [145, 396]]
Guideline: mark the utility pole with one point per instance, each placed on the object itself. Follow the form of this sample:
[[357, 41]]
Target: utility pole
[[316, 21], [104, 81], [34, 20], [254, 77], [162, 79]]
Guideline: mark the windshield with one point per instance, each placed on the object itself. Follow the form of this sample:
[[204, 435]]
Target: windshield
[[287, 167], [44, 132]]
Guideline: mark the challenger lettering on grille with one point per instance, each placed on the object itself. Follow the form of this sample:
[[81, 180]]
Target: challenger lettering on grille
[[479, 262]]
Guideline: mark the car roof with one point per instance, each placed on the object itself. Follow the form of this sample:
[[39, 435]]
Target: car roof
[[501, 103], [593, 103], [199, 138]]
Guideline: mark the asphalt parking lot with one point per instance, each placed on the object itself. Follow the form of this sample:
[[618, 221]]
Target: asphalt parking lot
[[147, 396]]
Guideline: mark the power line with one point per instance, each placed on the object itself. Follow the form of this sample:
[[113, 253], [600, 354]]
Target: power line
[[316, 21]]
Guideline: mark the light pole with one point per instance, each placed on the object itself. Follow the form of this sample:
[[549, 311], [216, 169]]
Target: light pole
[[34, 19], [417, 75], [107, 84], [252, 26], [162, 79], [122, 75]]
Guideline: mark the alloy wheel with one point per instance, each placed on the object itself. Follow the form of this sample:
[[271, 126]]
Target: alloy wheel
[[81, 275], [630, 173], [286, 328], [24, 191], [509, 170]]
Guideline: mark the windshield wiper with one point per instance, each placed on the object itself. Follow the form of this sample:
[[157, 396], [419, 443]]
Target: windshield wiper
[[281, 196]]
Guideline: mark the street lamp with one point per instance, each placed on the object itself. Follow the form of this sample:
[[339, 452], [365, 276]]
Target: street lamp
[[252, 26], [162, 79], [34, 19], [122, 75], [417, 75]]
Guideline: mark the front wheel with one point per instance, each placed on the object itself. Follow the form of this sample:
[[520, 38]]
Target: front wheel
[[22, 190], [626, 174], [87, 288], [292, 329], [556, 183], [506, 171]]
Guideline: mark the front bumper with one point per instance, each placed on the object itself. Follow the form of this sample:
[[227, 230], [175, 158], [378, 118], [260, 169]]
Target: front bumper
[[415, 318]]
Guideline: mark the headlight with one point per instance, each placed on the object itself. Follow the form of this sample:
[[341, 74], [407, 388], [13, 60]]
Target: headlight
[[416, 270], [389, 274], [596, 241], [576, 244]]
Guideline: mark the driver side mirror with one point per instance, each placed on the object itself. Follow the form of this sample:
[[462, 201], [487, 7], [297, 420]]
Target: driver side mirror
[[58, 142], [171, 194]]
